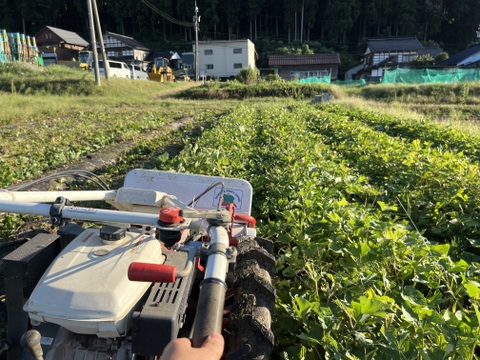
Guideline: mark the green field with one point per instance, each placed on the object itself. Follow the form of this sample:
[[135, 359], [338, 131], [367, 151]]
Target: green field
[[371, 203]]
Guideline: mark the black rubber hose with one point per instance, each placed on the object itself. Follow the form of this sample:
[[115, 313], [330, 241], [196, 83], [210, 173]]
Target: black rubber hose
[[209, 314]]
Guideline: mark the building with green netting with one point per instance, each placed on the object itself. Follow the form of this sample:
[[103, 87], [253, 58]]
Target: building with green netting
[[426, 76], [461, 67]]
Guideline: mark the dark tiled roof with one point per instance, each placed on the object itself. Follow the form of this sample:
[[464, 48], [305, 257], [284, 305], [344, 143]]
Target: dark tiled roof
[[316, 59], [127, 40], [458, 58], [68, 36], [433, 51], [394, 44]]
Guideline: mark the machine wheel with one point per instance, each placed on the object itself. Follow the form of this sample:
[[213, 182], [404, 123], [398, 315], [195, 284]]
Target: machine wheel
[[254, 300]]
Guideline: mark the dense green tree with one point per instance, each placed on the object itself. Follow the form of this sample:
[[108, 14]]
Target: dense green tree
[[463, 18], [232, 11], [341, 16], [405, 17], [310, 15], [254, 10], [431, 14], [335, 23], [211, 18], [290, 9]]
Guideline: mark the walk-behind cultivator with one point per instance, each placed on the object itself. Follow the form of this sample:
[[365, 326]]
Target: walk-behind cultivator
[[176, 255]]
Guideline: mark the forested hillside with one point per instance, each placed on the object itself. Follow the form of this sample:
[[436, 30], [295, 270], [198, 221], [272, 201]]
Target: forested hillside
[[339, 25]]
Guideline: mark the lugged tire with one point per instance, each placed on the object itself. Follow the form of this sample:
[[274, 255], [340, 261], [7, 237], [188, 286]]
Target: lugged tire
[[254, 300]]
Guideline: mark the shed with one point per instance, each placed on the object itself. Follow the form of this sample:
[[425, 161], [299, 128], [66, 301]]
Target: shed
[[66, 44], [304, 66]]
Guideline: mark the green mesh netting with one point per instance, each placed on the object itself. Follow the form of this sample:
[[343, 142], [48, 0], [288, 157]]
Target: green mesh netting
[[425, 76], [316, 80], [350, 82]]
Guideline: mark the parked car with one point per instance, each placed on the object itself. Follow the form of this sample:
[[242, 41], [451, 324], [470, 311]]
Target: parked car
[[117, 69], [138, 73]]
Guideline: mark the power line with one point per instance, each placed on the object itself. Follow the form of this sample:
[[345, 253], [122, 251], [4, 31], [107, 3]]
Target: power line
[[196, 20], [166, 16]]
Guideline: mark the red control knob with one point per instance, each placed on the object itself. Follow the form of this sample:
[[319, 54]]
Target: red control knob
[[171, 215]]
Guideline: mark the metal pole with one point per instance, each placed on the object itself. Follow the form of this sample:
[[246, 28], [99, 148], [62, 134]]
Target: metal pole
[[197, 70], [94, 42], [106, 66]]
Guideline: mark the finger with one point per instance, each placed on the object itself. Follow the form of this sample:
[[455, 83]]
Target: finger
[[214, 345], [176, 346]]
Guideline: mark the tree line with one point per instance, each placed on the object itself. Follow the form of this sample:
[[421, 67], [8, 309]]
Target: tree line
[[341, 25]]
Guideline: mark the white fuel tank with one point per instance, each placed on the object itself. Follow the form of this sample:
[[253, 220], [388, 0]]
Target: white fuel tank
[[86, 289]]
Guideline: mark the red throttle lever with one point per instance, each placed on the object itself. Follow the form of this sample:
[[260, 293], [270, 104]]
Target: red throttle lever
[[247, 218], [157, 273]]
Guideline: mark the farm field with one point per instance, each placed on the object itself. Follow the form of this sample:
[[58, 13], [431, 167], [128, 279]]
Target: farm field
[[374, 215]]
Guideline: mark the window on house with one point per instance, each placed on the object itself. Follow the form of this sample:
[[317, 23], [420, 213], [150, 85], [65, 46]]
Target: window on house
[[208, 52], [237, 51], [209, 66], [237, 66]]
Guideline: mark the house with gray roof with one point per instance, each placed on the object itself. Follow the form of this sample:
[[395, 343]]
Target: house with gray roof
[[124, 48], [66, 44], [468, 58], [388, 53], [304, 66]]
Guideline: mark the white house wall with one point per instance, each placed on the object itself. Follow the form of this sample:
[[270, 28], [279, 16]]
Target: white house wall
[[225, 58]]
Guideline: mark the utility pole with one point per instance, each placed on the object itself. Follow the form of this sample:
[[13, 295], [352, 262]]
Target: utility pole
[[106, 66], [196, 21], [94, 41]]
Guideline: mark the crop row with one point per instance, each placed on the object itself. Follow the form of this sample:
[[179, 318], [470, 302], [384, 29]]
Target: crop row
[[369, 226], [437, 189], [410, 129], [356, 275], [29, 150]]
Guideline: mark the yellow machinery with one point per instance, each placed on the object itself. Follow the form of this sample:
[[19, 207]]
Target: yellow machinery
[[181, 75], [85, 59], [160, 71]]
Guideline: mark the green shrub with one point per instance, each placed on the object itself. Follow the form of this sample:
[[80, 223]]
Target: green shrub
[[248, 75]]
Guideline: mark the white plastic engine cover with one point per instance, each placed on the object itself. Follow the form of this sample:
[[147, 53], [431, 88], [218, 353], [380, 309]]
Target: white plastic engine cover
[[86, 289]]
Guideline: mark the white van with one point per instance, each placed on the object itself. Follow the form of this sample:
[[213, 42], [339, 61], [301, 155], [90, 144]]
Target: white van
[[117, 69], [138, 73]]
